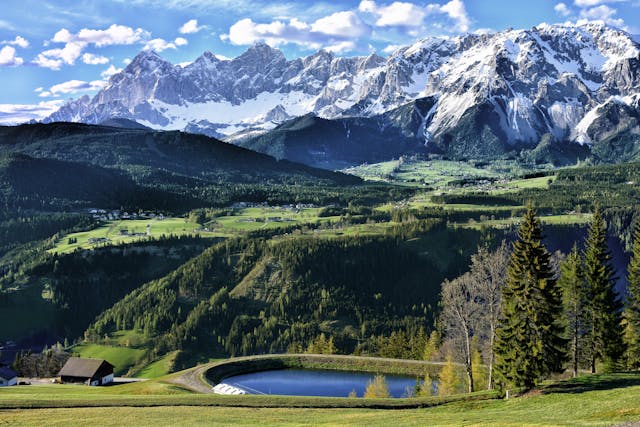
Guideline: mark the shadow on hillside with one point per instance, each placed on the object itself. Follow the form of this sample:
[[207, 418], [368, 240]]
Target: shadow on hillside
[[595, 382]]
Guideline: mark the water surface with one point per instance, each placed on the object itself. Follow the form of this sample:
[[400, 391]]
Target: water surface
[[306, 382]]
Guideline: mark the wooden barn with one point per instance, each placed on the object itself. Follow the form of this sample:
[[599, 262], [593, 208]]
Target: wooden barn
[[86, 371], [7, 377]]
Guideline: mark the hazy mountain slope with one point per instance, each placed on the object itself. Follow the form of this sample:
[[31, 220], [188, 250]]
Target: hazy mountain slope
[[143, 152]]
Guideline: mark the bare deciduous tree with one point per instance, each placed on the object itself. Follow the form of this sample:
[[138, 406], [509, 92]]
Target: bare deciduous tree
[[489, 270], [460, 314]]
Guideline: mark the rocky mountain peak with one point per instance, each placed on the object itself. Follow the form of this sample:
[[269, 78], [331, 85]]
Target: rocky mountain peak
[[522, 83]]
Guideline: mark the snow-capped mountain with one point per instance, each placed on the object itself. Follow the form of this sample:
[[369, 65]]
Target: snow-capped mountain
[[578, 83]]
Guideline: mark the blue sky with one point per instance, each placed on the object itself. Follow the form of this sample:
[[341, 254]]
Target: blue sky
[[51, 51]]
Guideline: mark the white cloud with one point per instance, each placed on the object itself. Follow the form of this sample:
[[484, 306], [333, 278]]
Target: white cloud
[[190, 27], [158, 45], [407, 14], [181, 41], [395, 14], [332, 32], [341, 24], [91, 59], [590, 3], [391, 48], [341, 47], [13, 114], [38, 89], [603, 13], [76, 43], [106, 74], [8, 57], [54, 58], [71, 87], [114, 35], [456, 11], [18, 41], [562, 9]]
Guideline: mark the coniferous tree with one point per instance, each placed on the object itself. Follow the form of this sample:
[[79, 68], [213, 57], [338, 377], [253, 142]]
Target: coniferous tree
[[603, 308], [574, 299], [632, 307], [529, 340]]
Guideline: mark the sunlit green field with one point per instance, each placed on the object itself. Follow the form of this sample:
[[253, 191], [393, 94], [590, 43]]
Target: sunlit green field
[[589, 401], [122, 358], [242, 221], [111, 230]]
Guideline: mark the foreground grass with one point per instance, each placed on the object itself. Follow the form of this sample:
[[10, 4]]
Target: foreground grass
[[592, 400]]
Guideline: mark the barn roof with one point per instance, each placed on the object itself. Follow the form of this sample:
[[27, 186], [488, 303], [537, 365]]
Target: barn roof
[[7, 373], [79, 367]]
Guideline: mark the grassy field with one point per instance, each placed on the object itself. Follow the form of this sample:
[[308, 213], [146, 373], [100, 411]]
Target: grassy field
[[578, 402], [122, 358], [437, 173], [111, 230], [158, 368], [242, 221]]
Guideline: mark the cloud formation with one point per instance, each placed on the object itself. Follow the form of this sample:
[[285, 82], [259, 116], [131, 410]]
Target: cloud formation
[[190, 27], [11, 114], [591, 3], [159, 45], [335, 32], [91, 59], [8, 57], [72, 87], [562, 9], [406, 14], [74, 44], [18, 41]]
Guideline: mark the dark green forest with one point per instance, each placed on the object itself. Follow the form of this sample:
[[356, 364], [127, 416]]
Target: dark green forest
[[362, 276]]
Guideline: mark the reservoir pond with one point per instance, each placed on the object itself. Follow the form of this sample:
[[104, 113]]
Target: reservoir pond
[[305, 382]]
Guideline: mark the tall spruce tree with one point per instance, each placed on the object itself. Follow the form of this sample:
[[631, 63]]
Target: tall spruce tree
[[632, 306], [574, 300], [605, 334], [529, 340]]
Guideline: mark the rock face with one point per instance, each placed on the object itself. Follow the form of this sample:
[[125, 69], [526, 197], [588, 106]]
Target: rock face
[[576, 83]]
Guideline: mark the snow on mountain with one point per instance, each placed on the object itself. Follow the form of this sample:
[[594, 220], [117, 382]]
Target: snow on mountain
[[551, 79]]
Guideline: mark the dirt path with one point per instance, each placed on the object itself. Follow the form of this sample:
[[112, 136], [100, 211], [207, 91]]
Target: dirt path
[[192, 379]]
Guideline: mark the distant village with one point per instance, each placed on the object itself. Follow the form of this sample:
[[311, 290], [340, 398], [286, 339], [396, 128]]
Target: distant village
[[115, 215]]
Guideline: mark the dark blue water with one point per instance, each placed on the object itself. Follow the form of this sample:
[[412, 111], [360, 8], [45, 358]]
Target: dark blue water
[[303, 382]]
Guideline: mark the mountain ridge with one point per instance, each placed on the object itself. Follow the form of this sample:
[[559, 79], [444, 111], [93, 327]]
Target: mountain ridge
[[550, 79]]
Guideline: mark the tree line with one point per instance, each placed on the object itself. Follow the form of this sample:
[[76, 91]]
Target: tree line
[[526, 313]]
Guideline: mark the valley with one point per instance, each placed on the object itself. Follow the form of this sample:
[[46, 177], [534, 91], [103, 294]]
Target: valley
[[380, 213]]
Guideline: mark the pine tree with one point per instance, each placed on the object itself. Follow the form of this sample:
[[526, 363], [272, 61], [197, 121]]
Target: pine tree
[[632, 307], [605, 335], [574, 299], [529, 340]]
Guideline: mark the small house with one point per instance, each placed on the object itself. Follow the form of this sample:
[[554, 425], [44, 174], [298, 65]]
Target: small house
[[7, 377], [86, 371]]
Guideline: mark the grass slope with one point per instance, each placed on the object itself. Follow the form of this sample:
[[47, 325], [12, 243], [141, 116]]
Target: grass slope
[[122, 358]]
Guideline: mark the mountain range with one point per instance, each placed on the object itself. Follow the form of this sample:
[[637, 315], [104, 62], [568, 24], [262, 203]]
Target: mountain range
[[475, 95]]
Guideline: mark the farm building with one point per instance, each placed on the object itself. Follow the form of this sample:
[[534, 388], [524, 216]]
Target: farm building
[[7, 377], [86, 371]]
